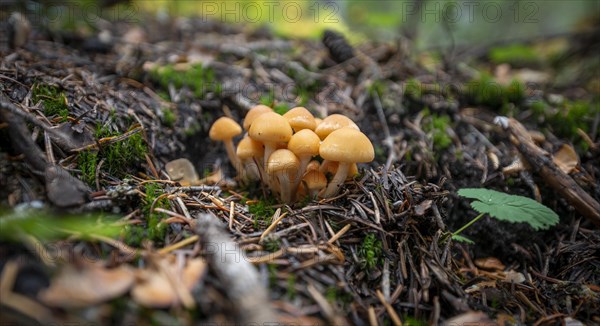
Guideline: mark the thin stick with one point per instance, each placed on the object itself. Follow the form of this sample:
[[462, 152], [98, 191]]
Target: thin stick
[[339, 234], [277, 219], [179, 245], [393, 315]]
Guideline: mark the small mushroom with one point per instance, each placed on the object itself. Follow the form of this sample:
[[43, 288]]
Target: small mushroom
[[305, 144], [345, 146], [253, 114], [334, 122], [250, 153], [270, 129], [314, 182], [313, 165], [283, 166], [300, 118], [224, 129]]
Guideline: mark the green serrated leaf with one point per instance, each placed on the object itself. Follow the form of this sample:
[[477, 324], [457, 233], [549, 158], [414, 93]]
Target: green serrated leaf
[[460, 238], [511, 208]]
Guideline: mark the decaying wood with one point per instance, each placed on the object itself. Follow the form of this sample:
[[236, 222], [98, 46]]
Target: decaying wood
[[542, 164]]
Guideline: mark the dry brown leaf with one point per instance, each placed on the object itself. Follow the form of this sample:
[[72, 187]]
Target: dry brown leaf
[[514, 277], [88, 285], [182, 171], [423, 207], [155, 290], [213, 178], [489, 263], [471, 318], [566, 158], [518, 165]]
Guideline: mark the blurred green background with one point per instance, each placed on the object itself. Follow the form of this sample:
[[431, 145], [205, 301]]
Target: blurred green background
[[430, 23]]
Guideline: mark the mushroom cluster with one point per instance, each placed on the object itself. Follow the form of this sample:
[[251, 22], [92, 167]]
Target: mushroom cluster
[[280, 150]]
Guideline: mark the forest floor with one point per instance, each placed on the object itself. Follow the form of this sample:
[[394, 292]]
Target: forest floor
[[94, 231]]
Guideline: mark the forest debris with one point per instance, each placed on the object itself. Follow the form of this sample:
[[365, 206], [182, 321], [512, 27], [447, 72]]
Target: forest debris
[[470, 318], [63, 190], [182, 171], [566, 158], [514, 277], [244, 287], [585, 204], [87, 285], [16, 301], [166, 284], [490, 263]]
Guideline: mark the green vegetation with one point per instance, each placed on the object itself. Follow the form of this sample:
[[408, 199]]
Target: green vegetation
[[43, 226], [370, 252], [413, 89], [291, 286], [412, 321], [271, 244], [262, 211], [53, 100], [169, 117], [506, 207], [436, 128], [200, 80], [281, 108], [516, 55], [155, 227], [119, 158], [123, 154], [337, 295], [565, 118], [87, 162], [486, 91], [267, 99]]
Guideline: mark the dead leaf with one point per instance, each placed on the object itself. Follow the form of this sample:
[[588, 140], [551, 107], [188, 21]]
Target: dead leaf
[[514, 277], [91, 284], [518, 165], [566, 158], [423, 207], [214, 178], [182, 171], [155, 289], [471, 318], [489, 263]]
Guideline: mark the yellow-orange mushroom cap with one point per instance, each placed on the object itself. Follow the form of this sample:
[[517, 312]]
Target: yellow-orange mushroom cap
[[345, 146], [270, 128], [300, 118], [253, 113], [334, 122]]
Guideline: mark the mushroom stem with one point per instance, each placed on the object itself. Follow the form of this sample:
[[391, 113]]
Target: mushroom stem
[[285, 190], [270, 147], [301, 170], [337, 181], [233, 158], [251, 170]]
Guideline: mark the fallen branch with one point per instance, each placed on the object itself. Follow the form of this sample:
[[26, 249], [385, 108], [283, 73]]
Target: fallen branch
[[543, 165]]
